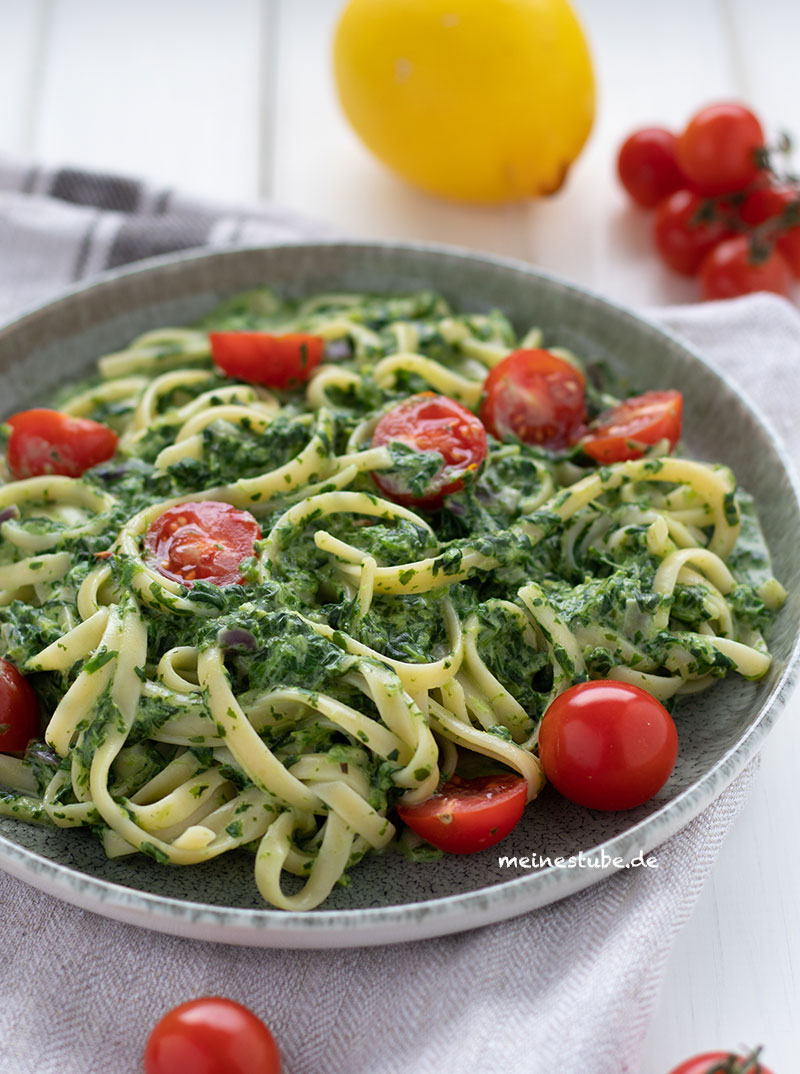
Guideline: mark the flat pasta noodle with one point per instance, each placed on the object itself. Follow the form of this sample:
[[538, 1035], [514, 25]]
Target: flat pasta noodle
[[370, 649]]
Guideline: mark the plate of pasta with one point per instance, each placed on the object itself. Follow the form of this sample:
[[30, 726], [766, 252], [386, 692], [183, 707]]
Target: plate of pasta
[[298, 542]]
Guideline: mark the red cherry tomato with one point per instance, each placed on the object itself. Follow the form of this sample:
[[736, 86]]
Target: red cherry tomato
[[717, 151], [625, 431], [536, 397], [49, 442], [211, 1036], [429, 422], [607, 745], [730, 270], [261, 358], [468, 815], [722, 1063], [201, 540], [648, 167], [680, 238], [19, 710], [768, 203]]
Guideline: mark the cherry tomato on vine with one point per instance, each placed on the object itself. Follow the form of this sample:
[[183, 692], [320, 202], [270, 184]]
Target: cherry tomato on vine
[[467, 815], [211, 1036], [19, 710], [49, 442], [262, 358], [429, 422], [536, 397], [647, 166], [722, 1063], [731, 269], [203, 540], [770, 203], [607, 744], [718, 148], [625, 431], [682, 237]]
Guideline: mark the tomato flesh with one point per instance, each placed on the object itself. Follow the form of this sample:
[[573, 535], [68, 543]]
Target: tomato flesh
[[722, 1063], [729, 270], [277, 361], [19, 710], [468, 815], [607, 745], [681, 238], [204, 540], [429, 422], [49, 442], [627, 430], [211, 1036], [534, 396], [717, 150], [647, 166]]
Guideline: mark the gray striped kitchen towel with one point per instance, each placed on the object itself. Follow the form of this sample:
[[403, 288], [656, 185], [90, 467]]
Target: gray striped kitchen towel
[[568, 988]]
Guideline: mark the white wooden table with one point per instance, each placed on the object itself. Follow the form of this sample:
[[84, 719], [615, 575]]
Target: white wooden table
[[233, 99]]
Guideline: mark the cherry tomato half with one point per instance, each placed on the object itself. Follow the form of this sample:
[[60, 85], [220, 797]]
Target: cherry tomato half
[[681, 238], [607, 745], [19, 710], [49, 442], [261, 358], [211, 1036], [201, 540], [730, 269], [468, 815], [722, 1063], [625, 431], [536, 397], [648, 167], [717, 150], [768, 203], [429, 422]]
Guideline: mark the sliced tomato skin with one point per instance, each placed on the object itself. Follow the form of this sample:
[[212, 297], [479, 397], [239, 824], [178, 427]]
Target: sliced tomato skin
[[276, 361], [534, 396], [204, 540], [429, 422], [468, 815], [627, 430], [48, 442], [19, 710]]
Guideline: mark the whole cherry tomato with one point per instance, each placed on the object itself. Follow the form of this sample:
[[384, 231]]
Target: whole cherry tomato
[[204, 540], [468, 815], [607, 744], [682, 236], [49, 442], [429, 422], [211, 1036], [732, 269], [19, 710], [536, 397], [722, 1063], [774, 202], [718, 149], [647, 166]]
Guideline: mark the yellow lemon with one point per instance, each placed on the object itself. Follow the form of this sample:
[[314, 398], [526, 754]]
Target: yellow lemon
[[480, 100]]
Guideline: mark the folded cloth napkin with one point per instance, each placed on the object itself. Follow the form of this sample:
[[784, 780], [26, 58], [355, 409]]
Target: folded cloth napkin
[[568, 988]]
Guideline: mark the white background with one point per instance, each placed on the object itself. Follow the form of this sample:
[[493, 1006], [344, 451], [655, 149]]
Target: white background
[[233, 99]]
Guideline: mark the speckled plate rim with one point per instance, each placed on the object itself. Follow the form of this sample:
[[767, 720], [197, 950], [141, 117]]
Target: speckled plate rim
[[439, 916]]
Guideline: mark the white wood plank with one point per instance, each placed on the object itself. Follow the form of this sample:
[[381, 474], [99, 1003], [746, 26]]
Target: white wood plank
[[322, 169], [655, 64], [22, 28], [170, 91]]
